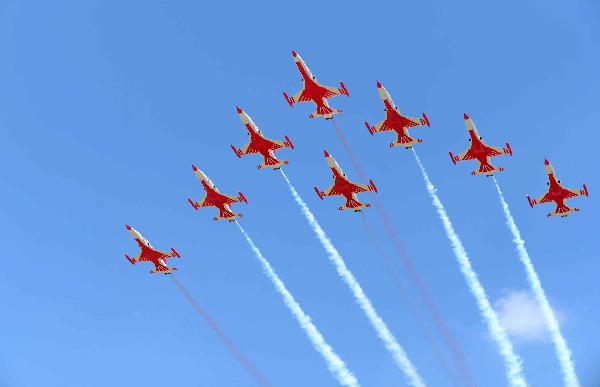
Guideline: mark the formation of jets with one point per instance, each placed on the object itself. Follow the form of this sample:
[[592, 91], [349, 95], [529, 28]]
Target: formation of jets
[[313, 91]]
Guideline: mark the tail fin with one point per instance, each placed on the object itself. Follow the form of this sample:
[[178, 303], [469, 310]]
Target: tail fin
[[270, 160], [226, 214], [353, 203]]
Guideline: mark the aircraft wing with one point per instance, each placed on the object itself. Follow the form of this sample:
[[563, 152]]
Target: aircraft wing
[[331, 190], [330, 91], [466, 155], [357, 187], [572, 192], [543, 198], [381, 126], [229, 199], [201, 203], [414, 121], [248, 148], [494, 150], [301, 96]]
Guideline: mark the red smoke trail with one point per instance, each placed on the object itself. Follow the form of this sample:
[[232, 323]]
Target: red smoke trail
[[459, 358], [412, 309], [260, 380]]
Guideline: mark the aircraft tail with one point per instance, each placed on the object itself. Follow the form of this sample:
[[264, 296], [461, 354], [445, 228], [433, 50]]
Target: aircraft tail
[[325, 111], [272, 162], [562, 210], [487, 169], [226, 214], [353, 204]]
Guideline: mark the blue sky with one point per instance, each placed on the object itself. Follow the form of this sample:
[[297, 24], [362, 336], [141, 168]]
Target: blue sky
[[104, 106]]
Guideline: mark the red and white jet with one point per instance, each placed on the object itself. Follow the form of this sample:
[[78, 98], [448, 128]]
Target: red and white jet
[[213, 198], [343, 187], [150, 254], [558, 194], [313, 91], [480, 151], [395, 121], [258, 143]]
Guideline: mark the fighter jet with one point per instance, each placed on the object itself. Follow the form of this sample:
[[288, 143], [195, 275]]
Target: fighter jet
[[258, 143], [480, 151], [397, 122], [558, 194], [213, 198], [313, 91], [150, 254], [343, 187]]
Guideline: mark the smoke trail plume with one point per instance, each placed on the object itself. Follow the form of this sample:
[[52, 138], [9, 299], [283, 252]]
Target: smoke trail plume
[[560, 344], [433, 345], [335, 364], [440, 323], [412, 376], [260, 380], [512, 362]]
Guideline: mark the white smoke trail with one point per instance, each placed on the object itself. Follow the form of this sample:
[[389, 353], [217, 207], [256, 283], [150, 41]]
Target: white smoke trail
[[560, 344], [412, 376], [335, 364], [512, 362]]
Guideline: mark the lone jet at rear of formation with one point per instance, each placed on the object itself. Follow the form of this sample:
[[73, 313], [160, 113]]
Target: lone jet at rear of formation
[[313, 91], [479, 151], [150, 254], [343, 187], [395, 121], [213, 198], [258, 143], [558, 194]]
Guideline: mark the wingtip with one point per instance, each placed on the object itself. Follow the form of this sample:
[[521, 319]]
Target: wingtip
[[194, 168], [546, 162], [378, 85], [466, 116], [326, 154], [294, 53], [239, 109], [128, 227]]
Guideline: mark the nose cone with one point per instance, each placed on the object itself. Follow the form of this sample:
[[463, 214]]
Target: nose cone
[[378, 85], [128, 227], [294, 53], [239, 110], [326, 154], [546, 162], [466, 116], [194, 168]]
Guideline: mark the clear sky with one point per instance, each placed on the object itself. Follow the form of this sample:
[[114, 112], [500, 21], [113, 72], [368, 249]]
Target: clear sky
[[105, 105]]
